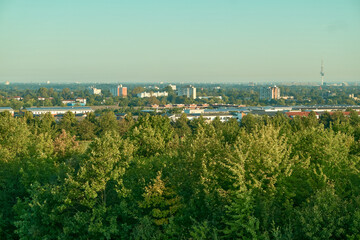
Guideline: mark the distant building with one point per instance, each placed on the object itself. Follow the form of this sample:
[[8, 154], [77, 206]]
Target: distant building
[[67, 101], [76, 102], [152, 87], [287, 97], [7, 83], [208, 117], [209, 97], [192, 111], [173, 87], [95, 91], [17, 98], [80, 100], [353, 97], [152, 94], [188, 91], [119, 91], [59, 110], [268, 93], [9, 109]]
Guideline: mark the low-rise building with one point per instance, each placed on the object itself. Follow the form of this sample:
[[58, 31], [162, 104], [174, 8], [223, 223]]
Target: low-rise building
[[7, 109], [17, 98], [76, 102], [152, 94], [59, 110], [208, 117], [209, 97], [65, 102], [81, 100], [194, 111]]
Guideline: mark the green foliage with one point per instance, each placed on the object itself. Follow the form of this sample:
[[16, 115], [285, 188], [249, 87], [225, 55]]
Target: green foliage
[[161, 200], [103, 178], [241, 222]]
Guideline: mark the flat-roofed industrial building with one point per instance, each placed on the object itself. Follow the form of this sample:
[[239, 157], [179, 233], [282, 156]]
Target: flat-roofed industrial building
[[59, 110]]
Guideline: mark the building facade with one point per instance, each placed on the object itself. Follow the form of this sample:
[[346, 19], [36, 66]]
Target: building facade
[[119, 91], [152, 94], [173, 87], [268, 93], [95, 91], [188, 91], [59, 110]]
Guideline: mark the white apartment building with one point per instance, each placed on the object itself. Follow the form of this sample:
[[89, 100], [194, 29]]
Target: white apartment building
[[95, 91], [188, 91], [152, 94]]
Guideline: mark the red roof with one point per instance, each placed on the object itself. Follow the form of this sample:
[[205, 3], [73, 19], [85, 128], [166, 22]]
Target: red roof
[[300, 114]]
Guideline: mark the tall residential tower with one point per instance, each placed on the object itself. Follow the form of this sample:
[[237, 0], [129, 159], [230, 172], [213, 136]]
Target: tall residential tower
[[188, 91], [268, 93], [119, 91]]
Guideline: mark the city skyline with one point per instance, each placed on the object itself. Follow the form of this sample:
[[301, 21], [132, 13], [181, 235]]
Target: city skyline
[[203, 41]]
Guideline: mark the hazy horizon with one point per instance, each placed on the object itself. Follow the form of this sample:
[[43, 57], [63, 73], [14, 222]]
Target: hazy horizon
[[226, 41]]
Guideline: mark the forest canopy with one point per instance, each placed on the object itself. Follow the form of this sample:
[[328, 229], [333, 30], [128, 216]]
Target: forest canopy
[[103, 178]]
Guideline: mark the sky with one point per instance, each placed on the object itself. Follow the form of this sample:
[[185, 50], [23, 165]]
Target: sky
[[225, 41]]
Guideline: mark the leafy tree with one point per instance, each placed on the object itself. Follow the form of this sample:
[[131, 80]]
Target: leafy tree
[[68, 122], [107, 122], [161, 201], [86, 130], [47, 124]]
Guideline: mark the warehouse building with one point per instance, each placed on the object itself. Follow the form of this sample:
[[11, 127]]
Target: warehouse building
[[59, 110]]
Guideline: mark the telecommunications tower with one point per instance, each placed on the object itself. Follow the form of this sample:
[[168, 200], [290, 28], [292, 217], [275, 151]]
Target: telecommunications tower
[[322, 72]]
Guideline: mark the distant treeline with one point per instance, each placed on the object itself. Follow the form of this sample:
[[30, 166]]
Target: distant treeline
[[102, 178]]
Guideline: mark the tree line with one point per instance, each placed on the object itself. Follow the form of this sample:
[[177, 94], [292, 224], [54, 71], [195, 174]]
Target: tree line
[[103, 178]]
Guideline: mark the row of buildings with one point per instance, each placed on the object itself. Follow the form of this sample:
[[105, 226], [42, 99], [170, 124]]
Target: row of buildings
[[118, 91], [224, 114], [152, 94], [187, 91], [121, 91]]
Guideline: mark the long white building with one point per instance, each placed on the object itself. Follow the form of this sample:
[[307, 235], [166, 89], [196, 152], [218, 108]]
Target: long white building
[[59, 110], [152, 94]]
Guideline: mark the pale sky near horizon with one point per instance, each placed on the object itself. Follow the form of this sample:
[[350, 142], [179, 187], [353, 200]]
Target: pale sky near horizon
[[179, 41]]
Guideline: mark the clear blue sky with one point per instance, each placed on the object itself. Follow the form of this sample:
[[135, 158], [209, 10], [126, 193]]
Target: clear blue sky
[[179, 41]]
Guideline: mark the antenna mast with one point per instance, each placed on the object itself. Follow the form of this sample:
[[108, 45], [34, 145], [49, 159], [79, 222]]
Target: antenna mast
[[322, 72]]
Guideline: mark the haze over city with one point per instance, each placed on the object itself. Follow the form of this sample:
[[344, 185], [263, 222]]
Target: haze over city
[[179, 41]]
